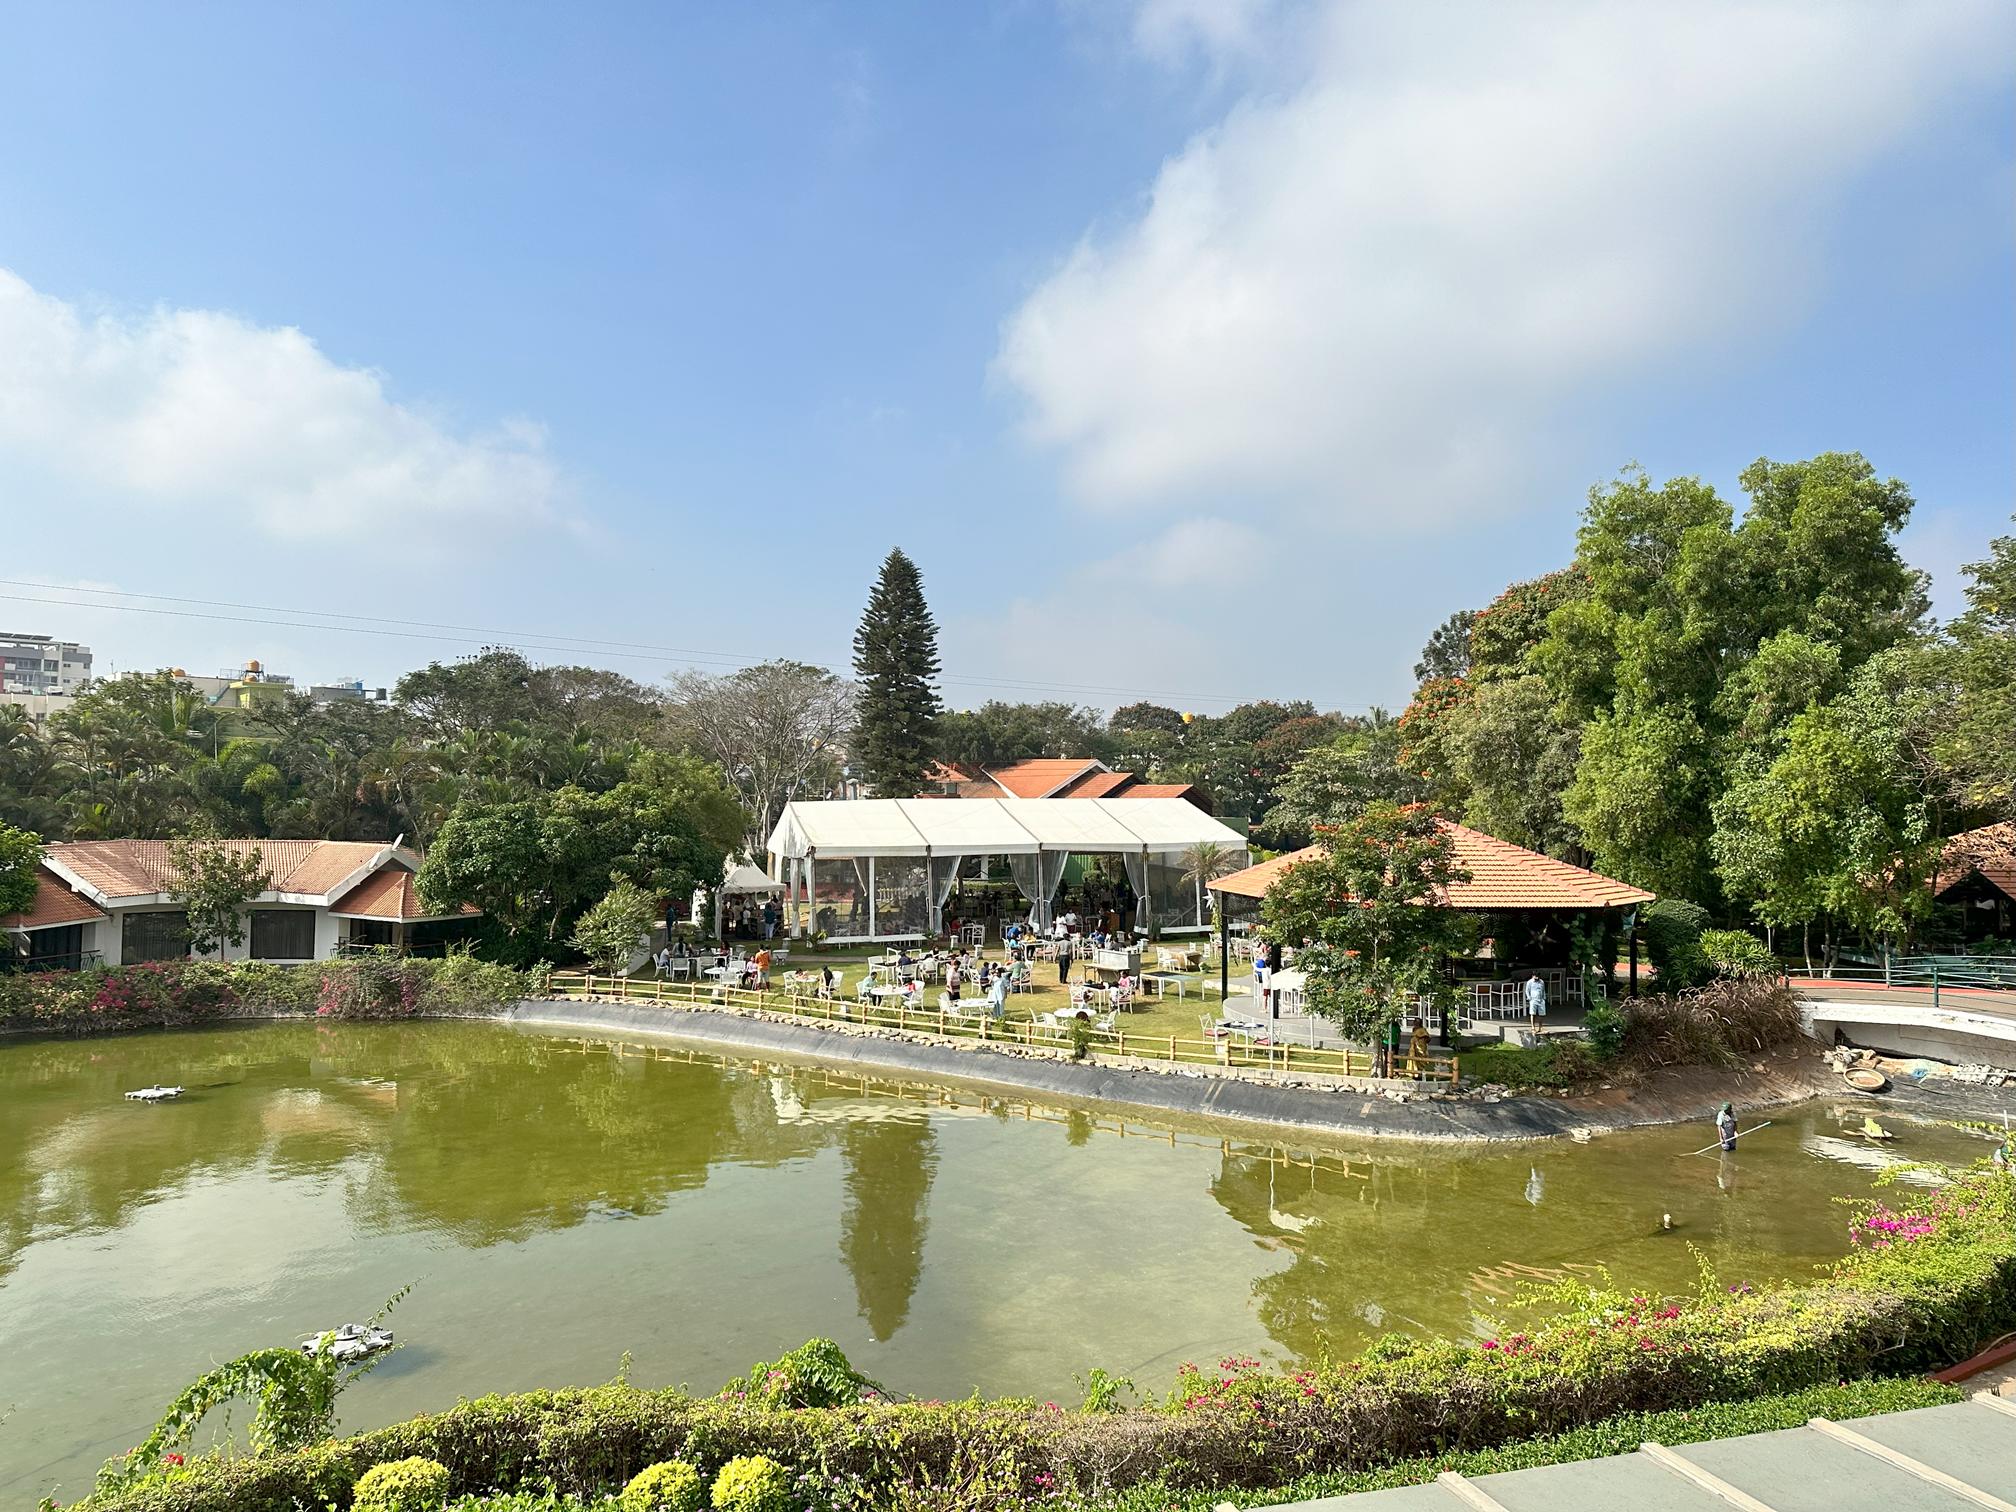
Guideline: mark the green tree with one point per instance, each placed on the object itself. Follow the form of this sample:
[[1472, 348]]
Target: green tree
[[1370, 907], [896, 664], [998, 732], [20, 864], [1447, 653], [611, 930], [213, 883], [1338, 781], [775, 730], [1978, 748], [1514, 758]]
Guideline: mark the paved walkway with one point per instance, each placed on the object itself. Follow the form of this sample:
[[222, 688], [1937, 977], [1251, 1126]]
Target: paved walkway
[[1936, 1459]]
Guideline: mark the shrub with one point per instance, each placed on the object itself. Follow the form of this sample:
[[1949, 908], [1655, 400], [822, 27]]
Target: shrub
[[1671, 929], [752, 1483], [1737, 953], [1605, 1027], [1548, 1065], [1716, 1025], [405, 1485], [169, 994], [815, 1374], [668, 1486]]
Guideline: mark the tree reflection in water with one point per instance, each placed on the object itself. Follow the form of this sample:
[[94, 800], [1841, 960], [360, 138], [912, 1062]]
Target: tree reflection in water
[[890, 1164]]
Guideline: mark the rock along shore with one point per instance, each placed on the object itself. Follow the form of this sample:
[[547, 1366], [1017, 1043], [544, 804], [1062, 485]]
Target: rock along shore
[[1346, 1111]]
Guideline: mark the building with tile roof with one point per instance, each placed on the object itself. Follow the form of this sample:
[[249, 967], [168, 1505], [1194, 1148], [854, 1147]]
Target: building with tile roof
[[1051, 777], [112, 902], [1977, 874]]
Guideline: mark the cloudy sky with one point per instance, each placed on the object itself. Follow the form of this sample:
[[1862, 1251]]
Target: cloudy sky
[[1197, 349]]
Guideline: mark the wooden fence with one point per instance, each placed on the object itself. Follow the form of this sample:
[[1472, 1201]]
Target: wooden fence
[[1231, 1051]]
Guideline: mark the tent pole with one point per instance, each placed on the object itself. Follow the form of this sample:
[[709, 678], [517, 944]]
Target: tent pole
[[1224, 951]]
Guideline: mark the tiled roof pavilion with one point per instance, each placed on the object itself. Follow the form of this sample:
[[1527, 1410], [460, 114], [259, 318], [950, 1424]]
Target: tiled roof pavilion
[[1502, 876]]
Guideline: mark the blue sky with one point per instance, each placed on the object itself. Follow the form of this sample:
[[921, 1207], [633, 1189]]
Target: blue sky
[[1202, 350]]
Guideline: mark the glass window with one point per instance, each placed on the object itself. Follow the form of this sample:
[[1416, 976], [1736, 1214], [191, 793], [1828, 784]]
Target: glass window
[[283, 934], [158, 935]]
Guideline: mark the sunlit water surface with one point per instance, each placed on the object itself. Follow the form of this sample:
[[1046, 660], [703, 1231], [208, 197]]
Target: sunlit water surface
[[559, 1203]]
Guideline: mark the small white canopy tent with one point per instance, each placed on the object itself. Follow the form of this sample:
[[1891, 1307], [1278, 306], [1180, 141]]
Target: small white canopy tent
[[892, 861], [741, 877]]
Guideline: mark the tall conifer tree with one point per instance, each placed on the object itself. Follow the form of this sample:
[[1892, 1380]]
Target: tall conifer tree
[[896, 662]]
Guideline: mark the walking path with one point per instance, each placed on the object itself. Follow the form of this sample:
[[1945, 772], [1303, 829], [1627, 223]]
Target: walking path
[[1960, 1457]]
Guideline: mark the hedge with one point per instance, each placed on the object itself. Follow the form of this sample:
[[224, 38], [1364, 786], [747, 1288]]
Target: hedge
[[178, 994], [1922, 1286]]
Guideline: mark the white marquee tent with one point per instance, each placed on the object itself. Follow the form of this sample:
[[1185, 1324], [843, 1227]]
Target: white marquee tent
[[882, 868]]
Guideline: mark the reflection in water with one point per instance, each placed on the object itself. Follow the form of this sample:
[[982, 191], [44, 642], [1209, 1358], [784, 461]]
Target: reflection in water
[[890, 1163], [561, 1202]]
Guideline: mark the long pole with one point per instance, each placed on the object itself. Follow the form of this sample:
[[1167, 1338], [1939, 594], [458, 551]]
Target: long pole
[[1718, 1143]]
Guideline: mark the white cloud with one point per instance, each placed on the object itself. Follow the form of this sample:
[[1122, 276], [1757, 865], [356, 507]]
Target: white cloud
[[202, 410], [1171, 29], [1363, 292]]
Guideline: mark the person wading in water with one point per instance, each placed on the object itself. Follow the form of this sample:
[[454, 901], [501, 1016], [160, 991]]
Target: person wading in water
[[1725, 1125]]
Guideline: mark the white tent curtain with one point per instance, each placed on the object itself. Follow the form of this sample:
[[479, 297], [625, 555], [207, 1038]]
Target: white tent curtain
[[944, 873], [1137, 878], [1038, 877]]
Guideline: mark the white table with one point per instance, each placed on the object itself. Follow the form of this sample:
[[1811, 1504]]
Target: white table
[[1161, 981]]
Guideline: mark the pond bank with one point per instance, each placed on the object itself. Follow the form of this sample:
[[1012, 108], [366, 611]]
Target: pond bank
[[1679, 1097]]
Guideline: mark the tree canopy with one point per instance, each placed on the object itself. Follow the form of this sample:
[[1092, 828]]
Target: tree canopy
[[896, 666]]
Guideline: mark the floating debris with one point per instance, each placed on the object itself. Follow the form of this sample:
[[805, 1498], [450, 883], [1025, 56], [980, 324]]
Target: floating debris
[[154, 1094], [352, 1341]]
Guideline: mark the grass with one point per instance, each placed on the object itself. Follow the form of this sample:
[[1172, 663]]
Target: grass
[[1149, 1017]]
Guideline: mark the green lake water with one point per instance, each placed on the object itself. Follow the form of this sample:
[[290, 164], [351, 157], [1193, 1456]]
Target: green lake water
[[560, 1202]]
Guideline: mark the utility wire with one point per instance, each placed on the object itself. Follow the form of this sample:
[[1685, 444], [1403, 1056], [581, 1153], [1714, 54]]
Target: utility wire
[[431, 631]]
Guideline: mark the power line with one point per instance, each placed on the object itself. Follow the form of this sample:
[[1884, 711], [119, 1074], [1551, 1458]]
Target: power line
[[560, 644]]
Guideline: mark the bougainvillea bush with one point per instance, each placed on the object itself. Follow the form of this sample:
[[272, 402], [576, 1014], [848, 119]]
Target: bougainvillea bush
[[175, 994], [1925, 1282]]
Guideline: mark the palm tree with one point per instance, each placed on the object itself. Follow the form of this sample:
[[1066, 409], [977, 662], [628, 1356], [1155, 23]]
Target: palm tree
[[1204, 863]]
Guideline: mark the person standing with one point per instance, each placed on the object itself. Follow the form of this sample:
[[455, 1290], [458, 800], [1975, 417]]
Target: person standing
[[1064, 960], [763, 968], [1725, 1125], [1536, 1001]]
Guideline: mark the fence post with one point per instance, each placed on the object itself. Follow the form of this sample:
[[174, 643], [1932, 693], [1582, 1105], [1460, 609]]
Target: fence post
[[1935, 981]]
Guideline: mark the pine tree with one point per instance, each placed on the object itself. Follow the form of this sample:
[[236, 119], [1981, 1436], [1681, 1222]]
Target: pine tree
[[896, 662]]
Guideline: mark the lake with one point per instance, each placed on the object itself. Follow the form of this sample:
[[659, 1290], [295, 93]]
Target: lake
[[560, 1203]]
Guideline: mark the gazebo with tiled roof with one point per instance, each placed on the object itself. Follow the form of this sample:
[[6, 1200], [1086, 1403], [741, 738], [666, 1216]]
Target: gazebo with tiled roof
[[1503, 878]]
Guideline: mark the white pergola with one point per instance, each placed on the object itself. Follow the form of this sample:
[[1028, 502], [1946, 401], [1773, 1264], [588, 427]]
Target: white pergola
[[895, 860]]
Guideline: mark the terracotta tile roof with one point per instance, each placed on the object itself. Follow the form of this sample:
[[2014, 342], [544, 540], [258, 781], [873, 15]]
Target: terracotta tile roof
[[1502, 875], [134, 868], [55, 904], [1159, 790], [1100, 785], [1039, 777], [1990, 850], [391, 894]]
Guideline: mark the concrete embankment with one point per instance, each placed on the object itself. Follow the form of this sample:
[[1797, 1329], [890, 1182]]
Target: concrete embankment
[[1186, 1092]]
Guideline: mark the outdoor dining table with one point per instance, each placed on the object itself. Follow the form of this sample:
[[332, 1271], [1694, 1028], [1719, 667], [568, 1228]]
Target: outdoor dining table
[[1162, 981]]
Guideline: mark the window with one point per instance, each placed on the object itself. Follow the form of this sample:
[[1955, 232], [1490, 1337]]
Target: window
[[156, 936], [283, 934]]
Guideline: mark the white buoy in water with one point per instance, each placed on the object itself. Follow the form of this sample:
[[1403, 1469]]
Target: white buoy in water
[[154, 1094]]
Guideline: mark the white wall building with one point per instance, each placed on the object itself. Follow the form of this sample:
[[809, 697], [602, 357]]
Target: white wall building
[[42, 664], [111, 902]]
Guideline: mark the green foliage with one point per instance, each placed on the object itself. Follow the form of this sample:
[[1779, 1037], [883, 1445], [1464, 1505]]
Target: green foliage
[[997, 733], [1671, 929], [20, 860], [1513, 757], [1978, 757], [1605, 1027], [1447, 653], [1621, 1434], [668, 1486], [1104, 1392], [407, 1485], [174, 994], [610, 932], [752, 1483], [213, 883], [1335, 782], [896, 665], [815, 1374], [1361, 914], [1737, 953], [1553, 1065]]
